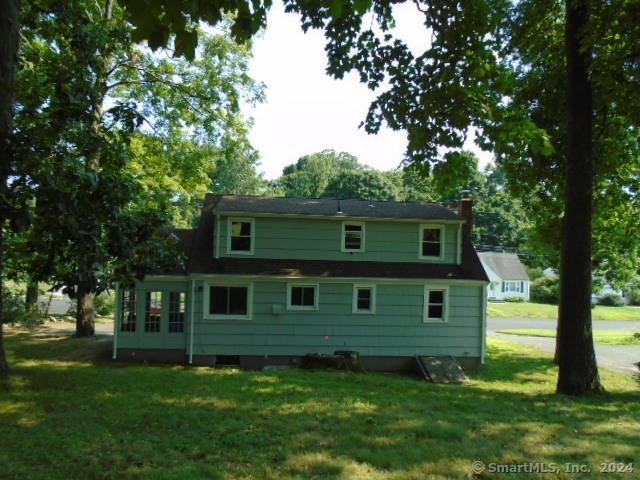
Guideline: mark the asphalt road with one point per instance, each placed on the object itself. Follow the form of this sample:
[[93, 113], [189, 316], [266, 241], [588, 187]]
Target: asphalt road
[[59, 304], [494, 323], [615, 357]]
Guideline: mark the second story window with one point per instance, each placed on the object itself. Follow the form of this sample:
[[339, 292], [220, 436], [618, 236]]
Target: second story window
[[241, 236], [431, 241], [352, 237]]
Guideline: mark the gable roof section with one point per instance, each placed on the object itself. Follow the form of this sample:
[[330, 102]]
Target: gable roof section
[[329, 207], [506, 265], [201, 260]]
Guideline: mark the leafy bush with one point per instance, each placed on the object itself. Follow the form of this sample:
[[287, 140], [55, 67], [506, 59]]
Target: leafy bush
[[514, 299], [634, 295], [535, 273], [105, 304], [611, 300], [546, 290], [14, 311]]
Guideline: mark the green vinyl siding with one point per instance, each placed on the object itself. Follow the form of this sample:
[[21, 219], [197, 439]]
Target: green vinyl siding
[[396, 329], [319, 239], [164, 338]]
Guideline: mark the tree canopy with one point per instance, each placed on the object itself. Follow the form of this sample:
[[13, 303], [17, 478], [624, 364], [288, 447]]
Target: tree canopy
[[119, 144]]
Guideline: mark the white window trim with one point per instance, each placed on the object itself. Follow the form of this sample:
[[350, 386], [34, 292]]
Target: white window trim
[[445, 310], [354, 301], [362, 237], [217, 316], [302, 307], [252, 221], [421, 227]]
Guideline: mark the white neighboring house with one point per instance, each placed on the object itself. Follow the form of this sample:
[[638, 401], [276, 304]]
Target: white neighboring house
[[507, 275]]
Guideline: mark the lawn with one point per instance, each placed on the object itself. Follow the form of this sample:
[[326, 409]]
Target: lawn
[[542, 310], [69, 412], [607, 337]]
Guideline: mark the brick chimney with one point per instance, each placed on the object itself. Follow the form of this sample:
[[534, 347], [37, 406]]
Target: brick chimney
[[465, 209]]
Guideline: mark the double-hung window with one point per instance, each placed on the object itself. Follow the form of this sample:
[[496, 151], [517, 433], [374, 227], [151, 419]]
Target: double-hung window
[[153, 312], [431, 242], [512, 286], [352, 237], [241, 236], [364, 299], [435, 304], [229, 302], [128, 323], [176, 312], [302, 296]]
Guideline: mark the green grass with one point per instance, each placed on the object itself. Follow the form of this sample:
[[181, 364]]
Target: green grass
[[541, 310], [69, 412], [607, 337]]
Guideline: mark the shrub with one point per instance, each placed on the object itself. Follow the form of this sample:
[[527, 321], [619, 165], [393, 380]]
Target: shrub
[[105, 304], [611, 300], [514, 299], [546, 290], [535, 273], [14, 311], [634, 295]]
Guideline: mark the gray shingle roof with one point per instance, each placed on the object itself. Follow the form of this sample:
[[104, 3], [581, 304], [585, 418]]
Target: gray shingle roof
[[506, 265], [331, 207]]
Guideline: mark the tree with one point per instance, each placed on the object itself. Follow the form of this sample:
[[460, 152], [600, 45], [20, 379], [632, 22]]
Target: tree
[[311, 174], [539, 180], [499, 221], [155, 20], [467, 77], [365, 185], [9, 32], [457, 170], [117, 119]]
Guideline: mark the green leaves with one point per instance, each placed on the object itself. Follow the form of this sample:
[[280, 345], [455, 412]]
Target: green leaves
[[158, 21]]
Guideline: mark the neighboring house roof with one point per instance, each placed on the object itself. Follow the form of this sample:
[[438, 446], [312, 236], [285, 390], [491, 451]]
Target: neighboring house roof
[[506, 265], [198, 247], [329, 207]]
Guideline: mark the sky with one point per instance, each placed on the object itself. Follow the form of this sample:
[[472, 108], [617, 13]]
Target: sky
[[307, 111]]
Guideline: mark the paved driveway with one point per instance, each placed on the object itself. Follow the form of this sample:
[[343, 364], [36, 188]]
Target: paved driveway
[[616, 357]]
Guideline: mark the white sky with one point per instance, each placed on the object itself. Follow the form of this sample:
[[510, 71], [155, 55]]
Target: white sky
[[306, 110]]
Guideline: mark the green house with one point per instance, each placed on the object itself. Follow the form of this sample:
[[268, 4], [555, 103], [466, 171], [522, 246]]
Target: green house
[[269, 280]]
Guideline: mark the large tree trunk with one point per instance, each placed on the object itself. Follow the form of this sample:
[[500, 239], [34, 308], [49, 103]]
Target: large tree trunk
[[578, 371], [8, 67], [556, 355], [31, 297], [85, 316]]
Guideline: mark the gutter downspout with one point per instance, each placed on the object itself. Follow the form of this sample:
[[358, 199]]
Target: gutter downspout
[[459, 252], [193, 298], [116, 321]]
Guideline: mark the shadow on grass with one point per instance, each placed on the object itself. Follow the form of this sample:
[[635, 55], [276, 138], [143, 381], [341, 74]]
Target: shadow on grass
[[142, 421]]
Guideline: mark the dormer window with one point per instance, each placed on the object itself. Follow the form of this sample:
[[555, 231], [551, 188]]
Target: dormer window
[[431, 242], [352, 237], [240, 238]]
